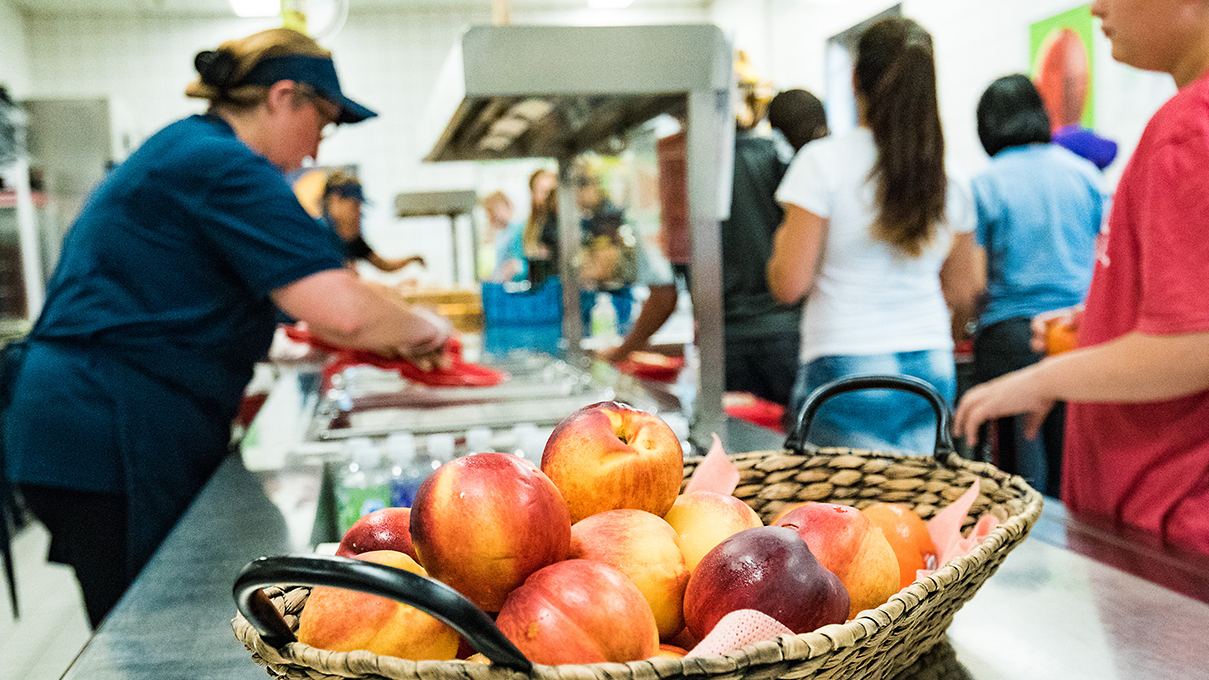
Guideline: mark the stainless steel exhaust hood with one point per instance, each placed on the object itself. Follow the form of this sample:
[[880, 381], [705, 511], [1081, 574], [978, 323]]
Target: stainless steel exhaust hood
[[554, 91], [557, 91]]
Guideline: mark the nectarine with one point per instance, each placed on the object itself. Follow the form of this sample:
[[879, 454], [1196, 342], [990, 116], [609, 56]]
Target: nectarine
[[771, 570], [346, 620], [703, 519], [644, 548], [385, 529], [579, 611], [482, 523], [850, 546], [610, 456], [908, 536], [671, 651]]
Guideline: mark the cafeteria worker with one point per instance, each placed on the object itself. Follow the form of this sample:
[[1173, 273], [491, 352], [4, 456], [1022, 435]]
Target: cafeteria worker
[[164, 298]]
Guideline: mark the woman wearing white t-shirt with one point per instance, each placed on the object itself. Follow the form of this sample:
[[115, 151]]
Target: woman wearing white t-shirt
[[878, 238]]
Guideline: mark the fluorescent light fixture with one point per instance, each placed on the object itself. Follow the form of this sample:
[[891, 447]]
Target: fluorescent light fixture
[[495, 143], [256, 8], [508, 127], [609, 4], [530, 109]]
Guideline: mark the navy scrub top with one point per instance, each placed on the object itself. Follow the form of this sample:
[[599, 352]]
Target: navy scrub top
[[167, 271]]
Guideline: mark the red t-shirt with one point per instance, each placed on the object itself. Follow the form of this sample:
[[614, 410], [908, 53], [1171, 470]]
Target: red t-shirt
[[1147, 464]]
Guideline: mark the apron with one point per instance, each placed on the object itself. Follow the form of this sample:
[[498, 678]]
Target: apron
[[93, 420]]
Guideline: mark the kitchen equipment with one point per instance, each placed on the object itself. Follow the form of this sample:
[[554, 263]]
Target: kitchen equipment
[[529, 91], [367, 401]]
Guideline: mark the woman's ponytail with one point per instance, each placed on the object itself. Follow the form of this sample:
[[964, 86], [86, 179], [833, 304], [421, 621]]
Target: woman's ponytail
[[896, 77]]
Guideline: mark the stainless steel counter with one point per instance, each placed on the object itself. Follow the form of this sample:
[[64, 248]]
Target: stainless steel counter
[[1049, 612]]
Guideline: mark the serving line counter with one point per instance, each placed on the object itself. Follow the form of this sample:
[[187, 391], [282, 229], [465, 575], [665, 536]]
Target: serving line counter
[[1049, 612]]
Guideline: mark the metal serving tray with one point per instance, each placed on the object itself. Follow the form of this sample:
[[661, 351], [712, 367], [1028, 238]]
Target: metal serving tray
[[367, 402]]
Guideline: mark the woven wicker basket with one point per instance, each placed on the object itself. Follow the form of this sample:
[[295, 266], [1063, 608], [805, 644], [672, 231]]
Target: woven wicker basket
[[879, 643]]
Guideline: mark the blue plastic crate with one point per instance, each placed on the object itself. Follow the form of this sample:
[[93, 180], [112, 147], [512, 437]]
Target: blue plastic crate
[[503, 305]]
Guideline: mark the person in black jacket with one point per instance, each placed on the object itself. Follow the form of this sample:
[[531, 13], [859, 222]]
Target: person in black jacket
[[762, 336]]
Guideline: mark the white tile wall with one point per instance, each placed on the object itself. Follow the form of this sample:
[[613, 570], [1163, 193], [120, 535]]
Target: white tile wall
[[14, 62]]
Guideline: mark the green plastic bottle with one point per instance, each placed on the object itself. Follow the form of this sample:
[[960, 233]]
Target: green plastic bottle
[[363, 486]]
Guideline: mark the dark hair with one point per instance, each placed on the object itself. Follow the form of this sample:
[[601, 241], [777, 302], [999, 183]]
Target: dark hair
[[799, 116], [896, 81], [1011, 113]]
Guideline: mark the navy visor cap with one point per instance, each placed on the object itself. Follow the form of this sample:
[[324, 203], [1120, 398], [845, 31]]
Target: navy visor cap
[[318, 72]]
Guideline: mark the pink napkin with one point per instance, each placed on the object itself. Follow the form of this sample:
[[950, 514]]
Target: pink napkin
[[715, 472], [738, 629], [945, 529]]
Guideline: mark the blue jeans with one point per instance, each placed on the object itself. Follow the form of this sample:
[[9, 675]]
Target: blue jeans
[[1000, 348], [881, 420]]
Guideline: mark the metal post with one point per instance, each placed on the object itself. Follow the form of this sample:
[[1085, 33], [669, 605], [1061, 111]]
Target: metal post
[[710, 154], [568, 266], [453, 240]]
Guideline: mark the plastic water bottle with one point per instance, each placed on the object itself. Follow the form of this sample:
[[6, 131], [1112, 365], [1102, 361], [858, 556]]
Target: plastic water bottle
[[442, 448], [478, 440], [529, 442], [407, 470], [363, 486], [604, 317]]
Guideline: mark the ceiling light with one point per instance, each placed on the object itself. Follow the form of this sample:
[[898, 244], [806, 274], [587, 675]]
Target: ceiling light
[[256, 8], [609, 4]]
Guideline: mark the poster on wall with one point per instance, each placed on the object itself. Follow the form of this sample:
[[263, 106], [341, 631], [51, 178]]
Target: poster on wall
[[1063, 66]]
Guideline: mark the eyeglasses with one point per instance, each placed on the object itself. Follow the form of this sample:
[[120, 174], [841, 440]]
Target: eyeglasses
[[328, 112]]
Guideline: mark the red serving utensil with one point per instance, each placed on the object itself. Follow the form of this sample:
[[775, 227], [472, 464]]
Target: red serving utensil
[[458, 372]]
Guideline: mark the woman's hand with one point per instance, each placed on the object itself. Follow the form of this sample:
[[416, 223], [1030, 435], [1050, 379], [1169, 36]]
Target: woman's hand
[[430, 333], [614, 355], [1016, 393]]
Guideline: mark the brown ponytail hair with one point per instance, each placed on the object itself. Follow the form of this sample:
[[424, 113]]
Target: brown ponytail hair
[[221, 70], [896, 81], [539, 213]]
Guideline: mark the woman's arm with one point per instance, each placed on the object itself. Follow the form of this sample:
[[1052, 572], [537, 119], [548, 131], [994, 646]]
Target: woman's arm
[[393, 265], [962, 280], [343, 309], [1132, 368], [796, 250]]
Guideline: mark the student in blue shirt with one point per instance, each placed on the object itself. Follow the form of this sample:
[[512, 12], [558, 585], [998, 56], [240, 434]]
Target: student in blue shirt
[[506, 239], [164, 298], [1039, 209]]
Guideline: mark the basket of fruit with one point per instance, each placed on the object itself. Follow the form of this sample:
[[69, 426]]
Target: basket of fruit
[[617, 558]]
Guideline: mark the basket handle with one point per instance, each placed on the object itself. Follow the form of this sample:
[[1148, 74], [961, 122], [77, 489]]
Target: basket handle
[[944, 441], [428, 595]]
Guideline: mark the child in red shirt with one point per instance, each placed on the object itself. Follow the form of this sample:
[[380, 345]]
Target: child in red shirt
[[1137, 441]]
